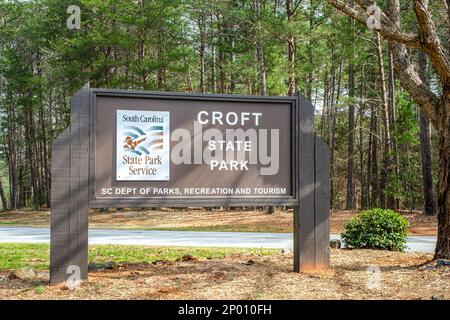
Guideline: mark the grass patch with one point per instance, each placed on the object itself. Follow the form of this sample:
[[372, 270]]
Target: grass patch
[[18, 255], [37, 256], [8, 222], [39, 288]]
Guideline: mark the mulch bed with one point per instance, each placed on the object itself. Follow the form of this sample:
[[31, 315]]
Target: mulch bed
[[247, 276]]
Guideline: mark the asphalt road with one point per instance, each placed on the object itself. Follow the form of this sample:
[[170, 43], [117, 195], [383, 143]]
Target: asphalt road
[[185, 238]]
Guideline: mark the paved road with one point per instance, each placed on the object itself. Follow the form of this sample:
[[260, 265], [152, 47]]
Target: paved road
[[185, 238]]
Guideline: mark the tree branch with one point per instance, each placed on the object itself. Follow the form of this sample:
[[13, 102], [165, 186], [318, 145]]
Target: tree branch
[[430, 41], [365, 3], [412, 83], [296, 7], [404, 67], [388, 29]]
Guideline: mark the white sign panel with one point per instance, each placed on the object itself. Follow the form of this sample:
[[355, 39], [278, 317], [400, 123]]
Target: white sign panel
[[142, 145]]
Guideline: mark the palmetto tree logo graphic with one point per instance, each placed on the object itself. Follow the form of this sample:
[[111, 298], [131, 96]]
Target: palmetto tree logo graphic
[[138, 142]]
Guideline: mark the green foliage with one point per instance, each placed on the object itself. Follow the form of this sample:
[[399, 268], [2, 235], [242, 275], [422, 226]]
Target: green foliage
[[407, 127], [407, 187], [377, 229], [39, 288], [157, 45]]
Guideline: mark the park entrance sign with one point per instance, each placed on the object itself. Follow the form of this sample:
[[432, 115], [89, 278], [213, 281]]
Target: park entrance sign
[[179, 150], [152, 149]]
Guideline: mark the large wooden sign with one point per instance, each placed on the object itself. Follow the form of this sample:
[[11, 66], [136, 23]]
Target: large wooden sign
[[179, 150], [152, 149]]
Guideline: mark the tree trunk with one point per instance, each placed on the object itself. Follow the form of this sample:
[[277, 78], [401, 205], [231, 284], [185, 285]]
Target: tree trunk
[[260, 49], [325, 106], [213, 56], [223, 76], [291, 50], [201, 27], [310, 50], [351, 140], [12, 159], [31, 144], [160, 57], [425, 152], [2, 197], [330, 115], [392, 117], [46, 168], [374, 157], [350, 205], [21, 174], [364, 194], [443, 201], [429, 206], [232, 59], [332, 124], [141, 50], [386, 200]]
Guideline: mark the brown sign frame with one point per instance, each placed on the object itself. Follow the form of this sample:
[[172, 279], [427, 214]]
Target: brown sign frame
[[71, 189], [118, 202]]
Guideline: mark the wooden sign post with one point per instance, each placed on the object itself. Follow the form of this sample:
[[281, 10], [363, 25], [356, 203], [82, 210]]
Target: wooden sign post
[[152, 149]]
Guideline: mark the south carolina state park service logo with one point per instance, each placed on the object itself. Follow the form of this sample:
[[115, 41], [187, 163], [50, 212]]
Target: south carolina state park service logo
[[142, 145]]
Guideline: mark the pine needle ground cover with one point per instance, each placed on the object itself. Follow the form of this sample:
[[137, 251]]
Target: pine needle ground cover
[[190, 273]]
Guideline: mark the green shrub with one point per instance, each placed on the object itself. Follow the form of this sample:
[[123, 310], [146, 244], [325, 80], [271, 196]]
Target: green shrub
[[377, 229]]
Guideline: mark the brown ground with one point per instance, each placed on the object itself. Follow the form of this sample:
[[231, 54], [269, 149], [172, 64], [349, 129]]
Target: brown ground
[[245, 276], [199, 219]]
